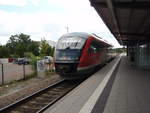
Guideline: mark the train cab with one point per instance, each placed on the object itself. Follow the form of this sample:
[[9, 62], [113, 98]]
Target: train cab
[[77, 54]]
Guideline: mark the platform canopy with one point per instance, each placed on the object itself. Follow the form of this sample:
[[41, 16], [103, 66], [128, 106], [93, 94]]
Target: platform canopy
[[128, 20]]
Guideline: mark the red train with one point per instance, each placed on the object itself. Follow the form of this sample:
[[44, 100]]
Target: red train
[[77, 54]]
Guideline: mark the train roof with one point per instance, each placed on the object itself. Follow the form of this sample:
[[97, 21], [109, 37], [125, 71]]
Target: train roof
[[102, 40], [86, 35], [80, 34]]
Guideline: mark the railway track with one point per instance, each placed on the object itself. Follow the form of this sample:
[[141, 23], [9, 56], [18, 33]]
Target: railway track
[[41, 100]]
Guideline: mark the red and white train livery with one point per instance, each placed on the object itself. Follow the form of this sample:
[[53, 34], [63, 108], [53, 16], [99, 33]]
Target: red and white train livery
[[77, 54]]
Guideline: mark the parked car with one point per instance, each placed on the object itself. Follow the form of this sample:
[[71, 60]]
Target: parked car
[[23, 61], [10, 60]]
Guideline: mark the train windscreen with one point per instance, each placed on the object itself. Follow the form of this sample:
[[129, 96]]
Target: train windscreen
[[70, 43], [69, 48], [69, 54]]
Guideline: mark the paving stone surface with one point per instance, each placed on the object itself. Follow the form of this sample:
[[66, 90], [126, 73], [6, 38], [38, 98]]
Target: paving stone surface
[[130, 91]]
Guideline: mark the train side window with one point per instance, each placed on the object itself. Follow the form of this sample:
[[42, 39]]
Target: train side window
[[92, 49], [96, 46], [99, 49]]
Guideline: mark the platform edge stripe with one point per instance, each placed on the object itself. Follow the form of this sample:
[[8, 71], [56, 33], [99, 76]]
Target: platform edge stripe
[[89, 105]]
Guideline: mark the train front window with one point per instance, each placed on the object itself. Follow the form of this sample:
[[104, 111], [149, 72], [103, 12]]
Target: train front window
[[68, 54], [70, 43], [69, 48]]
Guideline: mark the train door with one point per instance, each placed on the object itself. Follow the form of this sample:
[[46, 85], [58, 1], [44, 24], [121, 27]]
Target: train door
[[97, 52]]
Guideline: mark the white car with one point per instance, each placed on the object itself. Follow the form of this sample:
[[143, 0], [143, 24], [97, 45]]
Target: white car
[[48, 59]]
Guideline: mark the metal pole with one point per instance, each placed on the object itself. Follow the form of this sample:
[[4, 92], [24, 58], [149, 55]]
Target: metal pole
[[24, 71], [67, 29], [2, 74]]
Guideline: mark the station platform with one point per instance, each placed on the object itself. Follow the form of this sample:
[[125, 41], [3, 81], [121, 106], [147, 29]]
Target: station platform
[[130, 92], [118, 87]]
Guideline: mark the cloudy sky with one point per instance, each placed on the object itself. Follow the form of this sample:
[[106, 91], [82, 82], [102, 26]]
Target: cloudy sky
[[49, 18]]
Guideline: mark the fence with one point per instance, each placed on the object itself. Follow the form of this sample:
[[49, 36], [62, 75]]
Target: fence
[[10, 72]]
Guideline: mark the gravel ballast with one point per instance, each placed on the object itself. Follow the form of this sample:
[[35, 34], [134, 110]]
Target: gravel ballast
[[11, 93]]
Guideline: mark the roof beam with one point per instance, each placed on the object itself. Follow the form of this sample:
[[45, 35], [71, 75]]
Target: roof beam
[[109, 5], [132, 34], [127, 5], [113, 13], [143, 21], [130, 17]]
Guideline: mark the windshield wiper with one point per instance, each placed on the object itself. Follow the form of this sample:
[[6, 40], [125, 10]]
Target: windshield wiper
[[67, 47]]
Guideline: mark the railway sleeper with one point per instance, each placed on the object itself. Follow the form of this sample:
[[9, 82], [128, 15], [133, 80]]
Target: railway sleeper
[[23, 110], [34, 102]]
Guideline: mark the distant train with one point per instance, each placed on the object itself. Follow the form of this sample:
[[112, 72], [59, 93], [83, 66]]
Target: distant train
[[77, 54]]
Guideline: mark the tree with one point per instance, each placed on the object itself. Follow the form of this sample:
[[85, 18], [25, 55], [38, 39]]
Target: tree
[[34, 48], [46, 49], [52, 52], [20, 44], [49, 50], [4, 52]]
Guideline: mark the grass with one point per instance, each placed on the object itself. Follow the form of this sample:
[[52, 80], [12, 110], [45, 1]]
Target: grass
[[29, 76], [49, 72]]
